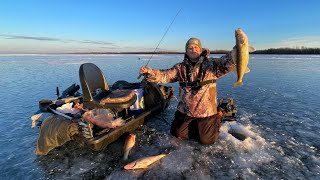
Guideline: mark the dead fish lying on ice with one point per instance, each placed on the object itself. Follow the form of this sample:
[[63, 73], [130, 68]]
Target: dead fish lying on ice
[[128, 145], [144, 162]]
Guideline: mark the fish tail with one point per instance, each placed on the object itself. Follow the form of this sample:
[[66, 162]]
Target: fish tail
[[237, 84], [125, 156]]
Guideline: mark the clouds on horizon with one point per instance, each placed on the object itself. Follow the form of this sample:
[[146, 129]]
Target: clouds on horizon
[[103, 45], [39, 38], [307, 41], [292, 42]]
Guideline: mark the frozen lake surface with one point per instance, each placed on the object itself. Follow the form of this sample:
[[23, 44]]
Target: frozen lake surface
[[278, 109]]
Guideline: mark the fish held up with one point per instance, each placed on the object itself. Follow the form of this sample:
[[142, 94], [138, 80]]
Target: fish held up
[[241, 55]]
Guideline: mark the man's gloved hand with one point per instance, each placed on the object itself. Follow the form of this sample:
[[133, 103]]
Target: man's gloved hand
[[144, 71], [205, 52]]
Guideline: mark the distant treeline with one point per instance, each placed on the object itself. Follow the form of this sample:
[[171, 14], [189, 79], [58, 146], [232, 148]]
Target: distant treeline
[[301, 50], [288, 51]]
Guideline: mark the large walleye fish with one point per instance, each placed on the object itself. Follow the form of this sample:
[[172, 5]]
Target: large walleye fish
[[128, 145], [144, 162], [242, 49]]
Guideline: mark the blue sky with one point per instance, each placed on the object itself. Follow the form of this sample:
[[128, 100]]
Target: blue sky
[[44, 26]]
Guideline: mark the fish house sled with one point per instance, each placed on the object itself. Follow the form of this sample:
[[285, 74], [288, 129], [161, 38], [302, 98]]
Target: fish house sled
[[103, 113]]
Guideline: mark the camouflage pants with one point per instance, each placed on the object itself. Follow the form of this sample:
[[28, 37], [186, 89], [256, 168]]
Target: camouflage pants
[[205, 130]]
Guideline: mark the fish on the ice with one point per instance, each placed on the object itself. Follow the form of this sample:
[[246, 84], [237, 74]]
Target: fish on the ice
[[128, 145], [143, 162]]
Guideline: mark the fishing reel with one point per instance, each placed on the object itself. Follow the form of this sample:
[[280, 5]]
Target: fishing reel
[[228, 107], [145, 75]]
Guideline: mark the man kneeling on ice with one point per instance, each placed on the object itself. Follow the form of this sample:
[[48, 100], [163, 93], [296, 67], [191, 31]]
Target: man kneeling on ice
[[196, 116]]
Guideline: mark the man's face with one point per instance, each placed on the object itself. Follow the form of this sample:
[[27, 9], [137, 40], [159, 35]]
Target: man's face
[[193, 51]]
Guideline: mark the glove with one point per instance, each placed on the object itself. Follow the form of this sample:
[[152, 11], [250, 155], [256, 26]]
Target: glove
[[145, 70], [205, 52]]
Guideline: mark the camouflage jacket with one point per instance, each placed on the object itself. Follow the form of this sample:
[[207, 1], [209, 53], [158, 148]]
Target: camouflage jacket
[[199, 101]]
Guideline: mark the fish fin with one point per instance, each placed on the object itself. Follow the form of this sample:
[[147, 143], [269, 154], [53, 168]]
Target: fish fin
[[247, 70], [251, 49], [130, 165], [236, 84]]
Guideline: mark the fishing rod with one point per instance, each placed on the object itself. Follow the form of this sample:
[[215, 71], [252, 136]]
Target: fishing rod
[[161, 41]]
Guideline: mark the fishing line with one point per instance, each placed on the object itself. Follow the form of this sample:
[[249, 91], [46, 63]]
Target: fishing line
[[164, 36], [145, 74]]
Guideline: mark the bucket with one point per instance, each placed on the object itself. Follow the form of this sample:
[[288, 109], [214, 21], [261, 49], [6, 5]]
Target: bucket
[[138, 106]]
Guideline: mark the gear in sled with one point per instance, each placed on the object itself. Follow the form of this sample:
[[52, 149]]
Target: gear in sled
[[101, 112]]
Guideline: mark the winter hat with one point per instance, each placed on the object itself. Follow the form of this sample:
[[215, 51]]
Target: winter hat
[[194, 41]]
